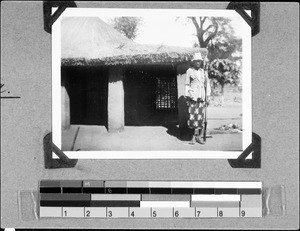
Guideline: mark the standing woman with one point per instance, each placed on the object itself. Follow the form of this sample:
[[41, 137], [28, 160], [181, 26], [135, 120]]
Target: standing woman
[[196, 84]]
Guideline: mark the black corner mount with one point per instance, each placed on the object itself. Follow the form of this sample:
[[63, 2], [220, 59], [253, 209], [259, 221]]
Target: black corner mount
[[50, 18], [50, 163], [254, 19], [255, 149]]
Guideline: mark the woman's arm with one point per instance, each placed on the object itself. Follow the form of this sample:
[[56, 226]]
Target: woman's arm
[[188, 88]]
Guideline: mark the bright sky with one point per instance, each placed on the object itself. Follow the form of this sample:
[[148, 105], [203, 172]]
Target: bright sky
[[169, 31]]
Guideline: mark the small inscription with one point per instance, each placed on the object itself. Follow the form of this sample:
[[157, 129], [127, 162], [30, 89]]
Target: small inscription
[[2, 90]]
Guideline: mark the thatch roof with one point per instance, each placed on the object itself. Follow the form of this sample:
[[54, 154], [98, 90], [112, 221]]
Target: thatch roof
[[90, 41]]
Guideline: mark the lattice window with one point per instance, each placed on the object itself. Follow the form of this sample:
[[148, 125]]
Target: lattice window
[[166, 93]]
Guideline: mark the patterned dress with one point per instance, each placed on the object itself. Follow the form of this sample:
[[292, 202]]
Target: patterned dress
[[196, 114]]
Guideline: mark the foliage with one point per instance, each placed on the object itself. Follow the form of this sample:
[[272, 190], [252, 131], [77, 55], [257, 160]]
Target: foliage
[[224, 49], [223, 71], [128, 26]]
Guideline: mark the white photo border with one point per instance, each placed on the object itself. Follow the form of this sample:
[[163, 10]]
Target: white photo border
[[92, 12]]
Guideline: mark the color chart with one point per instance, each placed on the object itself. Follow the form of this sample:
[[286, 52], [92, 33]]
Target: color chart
[[149, 199]]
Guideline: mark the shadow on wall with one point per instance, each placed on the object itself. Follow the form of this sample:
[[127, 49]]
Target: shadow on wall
[[183, 132]]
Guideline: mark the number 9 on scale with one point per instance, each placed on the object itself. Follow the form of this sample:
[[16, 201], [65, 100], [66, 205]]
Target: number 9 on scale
[[243, 213]]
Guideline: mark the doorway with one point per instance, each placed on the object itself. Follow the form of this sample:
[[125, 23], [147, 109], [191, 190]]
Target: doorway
[[88, 91]]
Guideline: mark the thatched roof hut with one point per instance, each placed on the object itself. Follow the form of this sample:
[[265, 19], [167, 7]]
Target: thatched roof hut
[[91, 41]]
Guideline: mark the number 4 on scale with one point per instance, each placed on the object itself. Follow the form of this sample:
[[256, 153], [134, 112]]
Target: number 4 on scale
[[132, 214]]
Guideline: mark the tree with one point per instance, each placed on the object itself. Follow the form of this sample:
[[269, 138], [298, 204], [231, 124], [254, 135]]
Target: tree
[[217, 35], [128, 26], [205, 35], [222, 72]]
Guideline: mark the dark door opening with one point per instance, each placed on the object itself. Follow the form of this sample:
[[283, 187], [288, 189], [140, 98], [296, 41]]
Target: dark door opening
[[150, 95], [88, 91]]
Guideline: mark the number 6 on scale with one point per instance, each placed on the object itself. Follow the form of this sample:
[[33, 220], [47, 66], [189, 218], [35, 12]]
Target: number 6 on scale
[[176, 214]]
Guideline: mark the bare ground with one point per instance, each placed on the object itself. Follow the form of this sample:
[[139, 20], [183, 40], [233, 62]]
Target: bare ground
[[147, 138], [92, 138]]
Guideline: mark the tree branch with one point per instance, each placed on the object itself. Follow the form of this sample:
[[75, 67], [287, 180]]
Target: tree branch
[[195, 23], [203, 20], [211, 36], [199, 29], [210, 26]]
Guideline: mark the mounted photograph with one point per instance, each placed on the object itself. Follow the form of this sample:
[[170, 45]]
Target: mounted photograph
[[151, 84]]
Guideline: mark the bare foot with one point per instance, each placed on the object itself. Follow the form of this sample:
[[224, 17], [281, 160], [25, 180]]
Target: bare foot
[[200, 140], [192, 141]]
